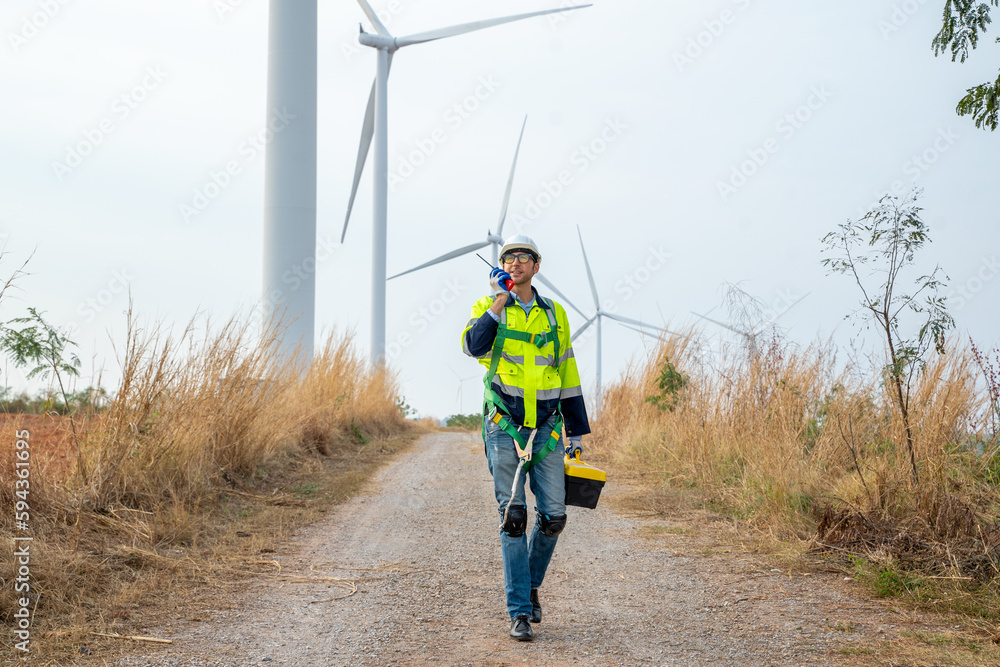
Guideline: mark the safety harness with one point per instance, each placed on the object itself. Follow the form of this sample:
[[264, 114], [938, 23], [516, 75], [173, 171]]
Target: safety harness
[[492, 399]]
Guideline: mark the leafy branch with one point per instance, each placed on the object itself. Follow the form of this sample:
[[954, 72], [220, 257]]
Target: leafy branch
[[962, 23]]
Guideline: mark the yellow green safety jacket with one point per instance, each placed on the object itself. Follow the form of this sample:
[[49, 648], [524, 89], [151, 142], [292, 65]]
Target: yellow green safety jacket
[[536, 374]]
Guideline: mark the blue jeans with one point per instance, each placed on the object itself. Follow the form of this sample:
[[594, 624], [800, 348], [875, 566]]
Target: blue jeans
[[525, 560]]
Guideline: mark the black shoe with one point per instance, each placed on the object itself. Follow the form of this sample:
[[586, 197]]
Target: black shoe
[[520, 629], [536, 607]]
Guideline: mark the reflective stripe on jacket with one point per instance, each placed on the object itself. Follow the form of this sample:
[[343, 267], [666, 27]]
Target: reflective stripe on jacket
[[531, 382]]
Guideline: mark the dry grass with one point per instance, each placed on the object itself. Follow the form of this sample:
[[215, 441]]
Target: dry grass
[[207, 432], [813, 455]]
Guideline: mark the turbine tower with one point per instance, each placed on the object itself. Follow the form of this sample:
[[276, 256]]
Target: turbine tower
[[290, 175], [625, 321], [376, 126]]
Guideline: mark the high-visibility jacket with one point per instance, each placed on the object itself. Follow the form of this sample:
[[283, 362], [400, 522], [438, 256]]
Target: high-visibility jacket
[[532, 383]]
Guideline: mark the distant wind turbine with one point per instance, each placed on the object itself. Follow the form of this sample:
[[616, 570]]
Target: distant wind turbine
[[751, 335], [600, 312], [376, 126], [461, 384]]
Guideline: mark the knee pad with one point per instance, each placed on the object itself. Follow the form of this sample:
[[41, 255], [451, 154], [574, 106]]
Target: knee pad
[[516, 521], [551, 525]]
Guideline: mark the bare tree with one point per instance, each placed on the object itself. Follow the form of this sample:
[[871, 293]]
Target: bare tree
[[883, 244]]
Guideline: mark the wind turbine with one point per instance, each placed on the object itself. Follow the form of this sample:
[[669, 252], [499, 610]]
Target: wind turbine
[[376, 126], [751, 335], [600, 312], [493, 239], [461, 385], [496, 239], [290, 175]]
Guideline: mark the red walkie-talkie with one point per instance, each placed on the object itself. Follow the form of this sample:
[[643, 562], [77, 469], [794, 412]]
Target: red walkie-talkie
[[509, 283]]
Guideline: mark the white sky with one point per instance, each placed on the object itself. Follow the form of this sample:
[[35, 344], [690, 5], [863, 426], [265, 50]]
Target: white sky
[[194, 80]]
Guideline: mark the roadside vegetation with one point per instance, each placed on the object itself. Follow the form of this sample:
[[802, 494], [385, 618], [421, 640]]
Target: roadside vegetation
[[204, 459], [469, 422], [887, 465]]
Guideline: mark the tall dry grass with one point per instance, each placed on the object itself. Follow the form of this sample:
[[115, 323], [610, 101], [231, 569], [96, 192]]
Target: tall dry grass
[[209, 411], [784, 436], [204, 412]]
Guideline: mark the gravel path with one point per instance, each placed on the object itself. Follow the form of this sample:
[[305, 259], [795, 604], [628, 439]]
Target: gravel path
[[619, 592]]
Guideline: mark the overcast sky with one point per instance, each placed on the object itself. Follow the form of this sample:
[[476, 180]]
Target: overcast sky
[[116, 114]]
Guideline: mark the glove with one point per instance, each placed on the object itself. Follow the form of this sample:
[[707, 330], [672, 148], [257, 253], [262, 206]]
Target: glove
[[574, 447], [500, 282]]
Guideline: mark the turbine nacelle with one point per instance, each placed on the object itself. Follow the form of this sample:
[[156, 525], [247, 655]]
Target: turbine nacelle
[[386, 42]]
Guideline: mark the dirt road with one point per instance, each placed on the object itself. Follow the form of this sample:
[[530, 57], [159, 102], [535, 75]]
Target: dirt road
[[421, 546]]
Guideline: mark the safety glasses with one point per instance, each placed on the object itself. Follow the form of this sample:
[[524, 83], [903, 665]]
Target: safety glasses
[[522, 257]]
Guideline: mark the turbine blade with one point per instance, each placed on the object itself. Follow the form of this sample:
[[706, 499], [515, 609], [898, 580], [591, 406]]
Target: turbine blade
[[545, 281], [463, 28], [721, 324], [444, 258], [373, 17], [629, 320], [590, 276], [638, 330], [583, 328], [510, 180], [367, 132]]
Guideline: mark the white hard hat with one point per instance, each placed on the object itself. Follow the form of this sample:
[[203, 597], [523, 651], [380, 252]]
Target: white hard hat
[[521, 242]]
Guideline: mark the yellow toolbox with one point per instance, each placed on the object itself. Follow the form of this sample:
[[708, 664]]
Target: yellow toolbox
[[583, 482]]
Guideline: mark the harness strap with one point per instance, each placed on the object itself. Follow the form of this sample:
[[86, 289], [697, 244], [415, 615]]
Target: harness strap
[[536, 339], [492, 400], [511, 429]]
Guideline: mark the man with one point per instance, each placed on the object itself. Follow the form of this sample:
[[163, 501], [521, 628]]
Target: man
[[532, 390]]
